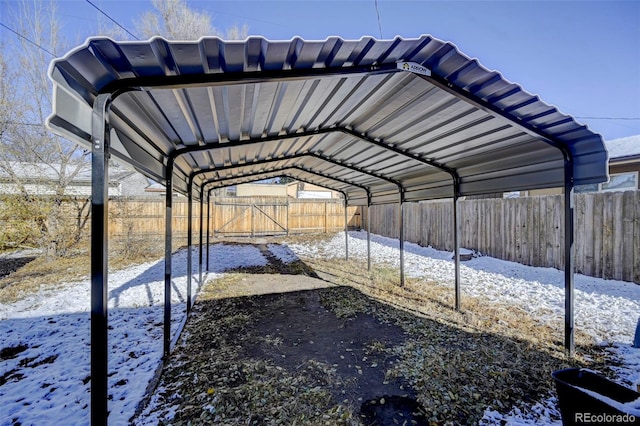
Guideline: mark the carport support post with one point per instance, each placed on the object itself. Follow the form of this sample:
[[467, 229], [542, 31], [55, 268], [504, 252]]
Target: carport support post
[[208, 221], [368, 231], [401, 235], [189, 240], [201, 235], [456, 244], [346, 228], [569, 341], [99, 259], [168, 219]]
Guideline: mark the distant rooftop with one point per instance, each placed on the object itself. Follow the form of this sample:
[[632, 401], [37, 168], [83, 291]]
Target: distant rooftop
[[623, 147]]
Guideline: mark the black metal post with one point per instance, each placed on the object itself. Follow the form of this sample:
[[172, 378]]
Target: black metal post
[[189, 240], [368, 231], [168, 233], [201, 235], [569, 331], [456, 245], [208, 221], [401, 236], [99, 260], [346, 228]]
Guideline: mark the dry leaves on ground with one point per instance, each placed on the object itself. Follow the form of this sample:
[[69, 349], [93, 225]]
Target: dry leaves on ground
[[347, 337]]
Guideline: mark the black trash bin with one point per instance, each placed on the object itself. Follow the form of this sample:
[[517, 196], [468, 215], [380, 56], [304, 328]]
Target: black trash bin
[[588, 398]]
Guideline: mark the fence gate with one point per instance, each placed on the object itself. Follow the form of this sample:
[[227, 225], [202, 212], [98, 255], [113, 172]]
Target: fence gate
[[249, 219]]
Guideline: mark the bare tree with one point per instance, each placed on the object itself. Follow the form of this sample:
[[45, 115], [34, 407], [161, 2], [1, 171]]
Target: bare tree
[[9, 116], [174, 20], [38, 191]]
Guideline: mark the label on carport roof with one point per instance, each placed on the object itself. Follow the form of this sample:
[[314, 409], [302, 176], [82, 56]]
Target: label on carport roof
[[414, 68]]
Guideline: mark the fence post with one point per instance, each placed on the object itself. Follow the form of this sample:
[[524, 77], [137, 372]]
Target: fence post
[[252, 206], [326, 220]]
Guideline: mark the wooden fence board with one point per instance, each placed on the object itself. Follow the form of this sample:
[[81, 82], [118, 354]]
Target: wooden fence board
[[533, 230], [521, 234], [628, 221], [618, 237], [607, 235], [579, 241], [636, 238], [598, 204], [510, 229], [504, 235], [557, 230], [588, 235]]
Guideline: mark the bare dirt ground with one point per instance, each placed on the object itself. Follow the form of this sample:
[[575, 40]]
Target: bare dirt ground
[[12, 261], [328, 342]]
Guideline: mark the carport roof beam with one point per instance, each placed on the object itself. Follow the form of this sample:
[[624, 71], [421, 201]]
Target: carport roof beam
[[274, 172], [295, 156], [211, 146]]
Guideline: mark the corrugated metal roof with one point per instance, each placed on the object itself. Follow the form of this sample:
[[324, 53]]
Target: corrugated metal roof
[[345, 114]]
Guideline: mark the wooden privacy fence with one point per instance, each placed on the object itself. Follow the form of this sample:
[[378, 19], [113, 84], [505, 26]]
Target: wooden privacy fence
[[529, 230], [237, 216]]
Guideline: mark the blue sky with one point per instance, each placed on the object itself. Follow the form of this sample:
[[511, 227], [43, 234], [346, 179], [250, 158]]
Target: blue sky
[[581, 56]]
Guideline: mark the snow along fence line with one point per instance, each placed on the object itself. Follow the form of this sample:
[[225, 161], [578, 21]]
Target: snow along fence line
[[529, 230]]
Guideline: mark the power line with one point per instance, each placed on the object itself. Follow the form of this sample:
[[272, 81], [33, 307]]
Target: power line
[[378, 13], [22, 123], [112, 20], [28, 39]]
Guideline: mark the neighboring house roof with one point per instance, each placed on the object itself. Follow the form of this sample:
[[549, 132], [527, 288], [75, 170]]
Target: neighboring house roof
[[623, 147], [37, 176], [155, 187]]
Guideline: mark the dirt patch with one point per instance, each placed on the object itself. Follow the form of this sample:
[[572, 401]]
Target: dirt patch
[[10, 264], [12, 352], [393, 410], [299, 327]]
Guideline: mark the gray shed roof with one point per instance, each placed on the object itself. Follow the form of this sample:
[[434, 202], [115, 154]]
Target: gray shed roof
[[350, 115]]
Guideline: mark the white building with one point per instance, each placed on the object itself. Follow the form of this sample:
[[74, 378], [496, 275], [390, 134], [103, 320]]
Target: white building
[[41, 179]]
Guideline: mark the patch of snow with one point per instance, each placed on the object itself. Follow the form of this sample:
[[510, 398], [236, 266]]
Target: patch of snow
[[283, 253], [632, 407]]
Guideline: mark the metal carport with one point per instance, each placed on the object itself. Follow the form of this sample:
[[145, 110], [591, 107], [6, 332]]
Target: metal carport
[[382, 121]]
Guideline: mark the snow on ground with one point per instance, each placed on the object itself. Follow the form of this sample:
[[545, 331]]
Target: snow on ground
[[50, 384], [53, 326]]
